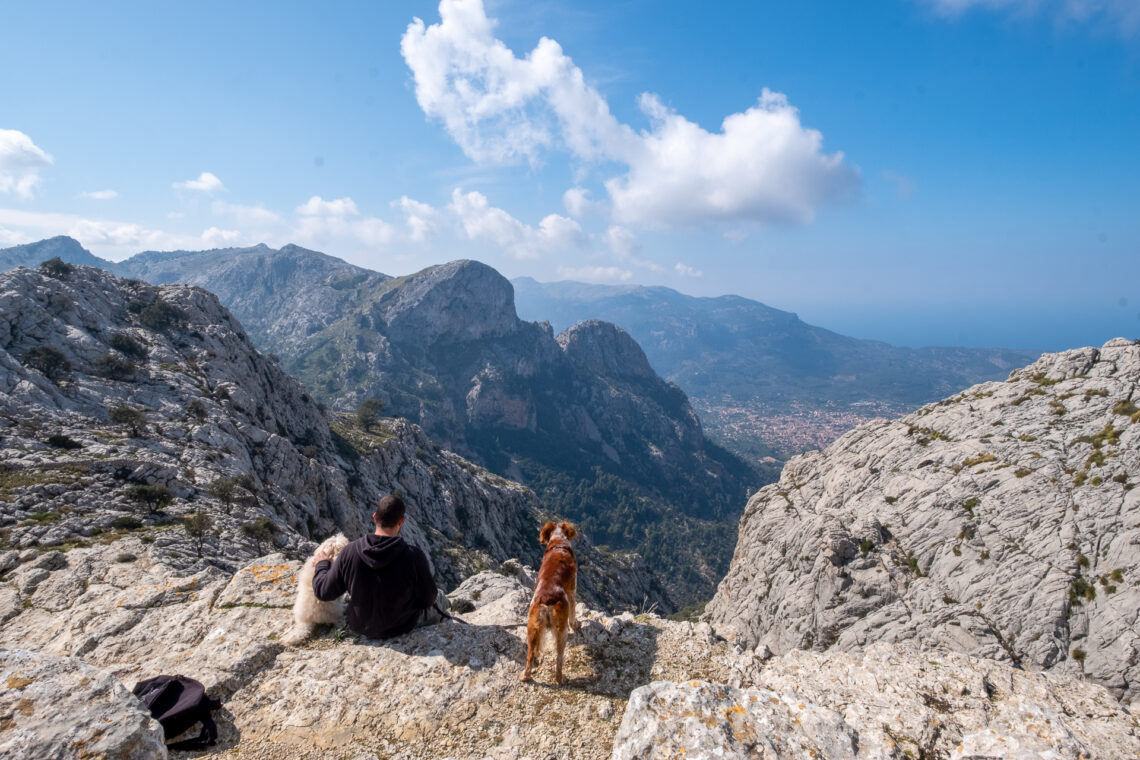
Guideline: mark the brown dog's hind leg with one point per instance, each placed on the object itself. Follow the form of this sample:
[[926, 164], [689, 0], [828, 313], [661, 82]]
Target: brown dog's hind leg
[[560, 640], [533, 639]]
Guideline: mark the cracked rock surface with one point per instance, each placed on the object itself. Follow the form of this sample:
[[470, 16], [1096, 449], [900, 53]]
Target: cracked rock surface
[[1000, 522]]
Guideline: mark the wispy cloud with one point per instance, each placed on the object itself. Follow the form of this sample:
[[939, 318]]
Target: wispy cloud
[[1123, 15], [20, 163], [687, 271], [595, 274], [763, 166], [111, 238], [100, 195], [206, 183]]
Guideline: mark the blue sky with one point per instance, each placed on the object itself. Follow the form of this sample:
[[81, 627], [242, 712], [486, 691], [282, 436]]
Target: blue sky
[[917, 171]]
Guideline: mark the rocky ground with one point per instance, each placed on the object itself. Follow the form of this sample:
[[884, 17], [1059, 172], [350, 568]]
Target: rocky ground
[[1001, 522], [638, 686]]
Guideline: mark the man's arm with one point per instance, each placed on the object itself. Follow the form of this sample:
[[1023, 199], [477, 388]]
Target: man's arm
[[424, 594], [328, 579]]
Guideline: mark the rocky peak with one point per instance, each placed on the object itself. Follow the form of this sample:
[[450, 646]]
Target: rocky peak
[[606, 350], [1002, 522], [66, 248], [458, 301]]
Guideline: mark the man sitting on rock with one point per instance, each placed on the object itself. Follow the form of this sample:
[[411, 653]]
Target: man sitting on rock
[[388, 580]]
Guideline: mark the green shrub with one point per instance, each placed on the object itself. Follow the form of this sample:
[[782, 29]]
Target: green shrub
[[154, 498], [1079, 655], [866, 546], [60, 441], [44, 516], [112, 367], [196, 409], [160, 315], [47, 360], [133, 418], [260, 530], [126, 522], [1126, 408], [57, 268], [979, 459], [199, 526], [368, 413], [127, 345]]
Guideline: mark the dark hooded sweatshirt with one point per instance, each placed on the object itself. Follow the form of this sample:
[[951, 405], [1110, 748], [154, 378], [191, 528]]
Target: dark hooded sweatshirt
[[388, 581]]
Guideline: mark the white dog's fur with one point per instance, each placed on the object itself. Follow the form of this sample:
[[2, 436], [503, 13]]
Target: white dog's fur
[[308, 611]]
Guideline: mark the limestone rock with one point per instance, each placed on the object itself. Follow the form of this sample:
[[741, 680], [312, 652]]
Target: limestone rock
[[890, 703], [60, 707], [1001, 522], [701, 721]]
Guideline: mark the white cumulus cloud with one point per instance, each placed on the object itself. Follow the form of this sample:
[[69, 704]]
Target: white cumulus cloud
[[480, 220], [20, 163], [687, 271], [100, 195], [206, 183], [321, 220], [422, 219], [318, 206], [763, 166]]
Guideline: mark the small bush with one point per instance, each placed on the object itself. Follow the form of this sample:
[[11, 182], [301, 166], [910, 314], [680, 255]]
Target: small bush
[[44, 516], [866, 546], [1126, 408], [57, 268], [199, 526], [60, 441], [160, 315], [196, 409], [48, 361], [1082, 560], [113, 368], [1079, 655], [368, 413], [133, 418], [126, 523], [127, 345], [979, 459], [260, 530], [154, 498]]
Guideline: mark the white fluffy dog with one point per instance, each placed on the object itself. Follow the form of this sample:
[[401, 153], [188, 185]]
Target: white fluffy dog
[[308, 611]]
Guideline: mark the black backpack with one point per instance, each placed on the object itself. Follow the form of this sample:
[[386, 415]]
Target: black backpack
[[178, 702]]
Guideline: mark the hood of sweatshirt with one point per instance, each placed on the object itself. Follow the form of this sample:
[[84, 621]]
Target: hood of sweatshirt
[[380, 551]]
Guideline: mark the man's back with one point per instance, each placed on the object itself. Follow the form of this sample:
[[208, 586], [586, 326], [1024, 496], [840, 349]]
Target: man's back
[[389, 583]]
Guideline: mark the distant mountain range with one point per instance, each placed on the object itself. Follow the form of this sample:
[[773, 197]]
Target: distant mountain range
[[580, 417], [764, 382]]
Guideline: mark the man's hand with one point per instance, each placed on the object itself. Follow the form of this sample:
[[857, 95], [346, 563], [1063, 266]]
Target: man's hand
[[322, 555]]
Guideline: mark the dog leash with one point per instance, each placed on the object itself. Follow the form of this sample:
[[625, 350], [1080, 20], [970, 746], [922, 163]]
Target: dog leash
[[446, 616]]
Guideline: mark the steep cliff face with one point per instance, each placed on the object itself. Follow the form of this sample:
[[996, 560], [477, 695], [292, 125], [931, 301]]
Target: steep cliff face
[[1002, 522], [132, 410], [581, 418]]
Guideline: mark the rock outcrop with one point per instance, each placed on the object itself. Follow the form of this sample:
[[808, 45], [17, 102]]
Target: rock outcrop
[[888, 703], [59, 707], [639, 686], [1001, 522]]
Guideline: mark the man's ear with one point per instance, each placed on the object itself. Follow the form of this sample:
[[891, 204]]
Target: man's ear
[[569, 531], [544, 534], [374, 520]]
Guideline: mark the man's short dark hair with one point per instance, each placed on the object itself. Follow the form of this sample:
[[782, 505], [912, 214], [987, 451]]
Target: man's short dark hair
[[389, 511]]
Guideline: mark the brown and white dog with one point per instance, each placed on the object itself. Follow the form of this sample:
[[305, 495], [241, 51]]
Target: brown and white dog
[[552, 606], [308, 611]]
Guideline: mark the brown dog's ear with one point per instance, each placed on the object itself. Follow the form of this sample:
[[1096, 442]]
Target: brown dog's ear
[[569, 531], [544, 534]]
